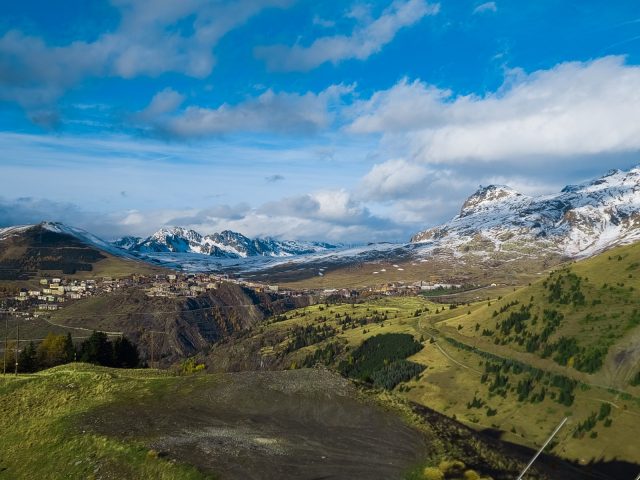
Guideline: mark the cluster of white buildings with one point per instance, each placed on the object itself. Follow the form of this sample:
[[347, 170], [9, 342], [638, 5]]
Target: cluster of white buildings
[[54, 291], [192, 285], [173, 286]]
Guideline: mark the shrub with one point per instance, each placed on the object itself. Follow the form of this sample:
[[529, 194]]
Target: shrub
[[452, 468], [190, 366], [432, 473]]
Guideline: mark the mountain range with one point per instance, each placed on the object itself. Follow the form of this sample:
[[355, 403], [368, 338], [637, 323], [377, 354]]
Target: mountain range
[[496, 224], [226, 244]]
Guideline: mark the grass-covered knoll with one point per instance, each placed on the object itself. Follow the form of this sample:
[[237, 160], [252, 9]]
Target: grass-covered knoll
[[321, 333], [581, 316], [40, 437]]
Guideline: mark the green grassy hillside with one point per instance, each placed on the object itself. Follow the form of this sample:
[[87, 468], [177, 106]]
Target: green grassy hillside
[[41, 437], [584, 316]]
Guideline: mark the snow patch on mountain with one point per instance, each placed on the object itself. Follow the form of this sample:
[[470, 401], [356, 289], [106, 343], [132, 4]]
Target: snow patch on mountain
[[15, 230]]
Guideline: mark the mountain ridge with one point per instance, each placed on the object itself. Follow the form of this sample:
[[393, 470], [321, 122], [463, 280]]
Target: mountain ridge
[[579, 221], [225, 244]]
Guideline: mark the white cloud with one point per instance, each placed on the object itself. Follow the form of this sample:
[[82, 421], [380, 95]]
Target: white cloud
[[165, 101], [393, 179], [367, 38], [571, 110], [148, 41], [331, 215], [403, 107], [324, 23], [280, 112], [486, 7]]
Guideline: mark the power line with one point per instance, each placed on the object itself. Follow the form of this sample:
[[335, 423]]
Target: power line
[[542, 448]]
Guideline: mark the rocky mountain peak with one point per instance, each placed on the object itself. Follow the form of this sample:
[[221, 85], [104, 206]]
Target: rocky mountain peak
[[488, 197], [578, 221], [227, 244]]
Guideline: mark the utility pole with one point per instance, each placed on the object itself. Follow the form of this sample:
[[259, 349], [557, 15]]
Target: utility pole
[[152, 346], [6, 343], [17, 343]]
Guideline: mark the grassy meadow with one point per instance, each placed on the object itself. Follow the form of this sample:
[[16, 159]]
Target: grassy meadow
[[42, 439]]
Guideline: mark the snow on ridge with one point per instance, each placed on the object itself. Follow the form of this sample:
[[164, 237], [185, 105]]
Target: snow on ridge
[[223, 244], [7, 231], [83, 236]]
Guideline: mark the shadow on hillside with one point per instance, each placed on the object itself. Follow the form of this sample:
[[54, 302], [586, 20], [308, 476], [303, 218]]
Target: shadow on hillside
[[484, 450]]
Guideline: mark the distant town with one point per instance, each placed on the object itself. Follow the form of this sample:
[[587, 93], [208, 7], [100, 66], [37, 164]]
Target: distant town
[[56, 292]]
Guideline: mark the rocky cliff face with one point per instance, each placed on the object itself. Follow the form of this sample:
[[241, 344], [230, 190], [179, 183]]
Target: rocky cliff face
[[182, 326]]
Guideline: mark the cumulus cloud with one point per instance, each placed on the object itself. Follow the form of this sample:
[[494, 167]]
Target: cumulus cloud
[[571, 110], [405, 106], [486, 7], [394, 179], [331, 215], [367, 38], [148, 41], [327, 205], [279, 112], [31, 210], [165, 101]]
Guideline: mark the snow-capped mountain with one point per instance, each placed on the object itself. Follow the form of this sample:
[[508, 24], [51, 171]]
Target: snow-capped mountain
[[57, 227], [127, 243], [579, 221], [226, 244]]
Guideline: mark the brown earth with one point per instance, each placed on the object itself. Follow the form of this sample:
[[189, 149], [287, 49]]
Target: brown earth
[[301, 424]]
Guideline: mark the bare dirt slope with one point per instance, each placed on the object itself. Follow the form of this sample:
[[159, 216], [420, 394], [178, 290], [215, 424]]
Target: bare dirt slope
[[302, 424]]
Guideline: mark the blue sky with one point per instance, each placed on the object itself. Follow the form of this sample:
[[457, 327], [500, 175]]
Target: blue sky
[[344, 121]]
